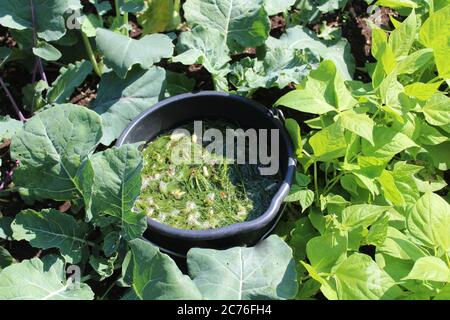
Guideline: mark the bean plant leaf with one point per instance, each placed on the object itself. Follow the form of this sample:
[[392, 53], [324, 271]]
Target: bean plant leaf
[[242, 23], [387, 143], [265, 271], [122, 53], [358, 123], [360, 278], [70, 78], [40, 280], [326, 251], [329, 143], [362, 215], [435, 34], [119, 101], [156, 276], [402, 38], [437, 110], [52, 229], [51, 148], [324, 91], [50, 23], [158, 16], [430, 269], [113, 185], [429, 221]]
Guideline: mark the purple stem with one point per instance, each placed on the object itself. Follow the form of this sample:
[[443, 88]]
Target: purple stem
[[33, 18], [8, 178], [35, 70], [13, 102]]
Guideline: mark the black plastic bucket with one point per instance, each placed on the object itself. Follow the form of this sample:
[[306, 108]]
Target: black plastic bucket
[[182, 109]]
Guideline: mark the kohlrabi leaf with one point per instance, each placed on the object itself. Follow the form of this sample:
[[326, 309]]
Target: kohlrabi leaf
[[9, 127], [360, 278], [178, 83], [52, 229], [121, 52], [5, 258], [41, 280], [243, 23], [266, 271], [51, 148], [280, 66], [50, 23], [156, 276], [429, 221], [323, 92], [70, 78], [5, 53], [112, 186], [337, 51], [276, 6], [120, 100], [46, 51], [207, 47]]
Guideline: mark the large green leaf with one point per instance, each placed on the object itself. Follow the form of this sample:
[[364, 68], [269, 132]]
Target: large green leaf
[[50, 23], [243, 23], [280, 67], [358, 123], [429, 221], [52, 229], [437, 110], [326, 251], [9, 127], [112, 184], [265, 271], [70, 78], [51, 148], [276, 6], [324, 91], [206, 47], [119, 101], [430, 269], [329, 143], [362, 215], [435, 34], [387, 143], [337, 51], [5, 53], [5, 258], [122, 52], [360, 278], [156, 276], [402, 38], [40, 280]]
